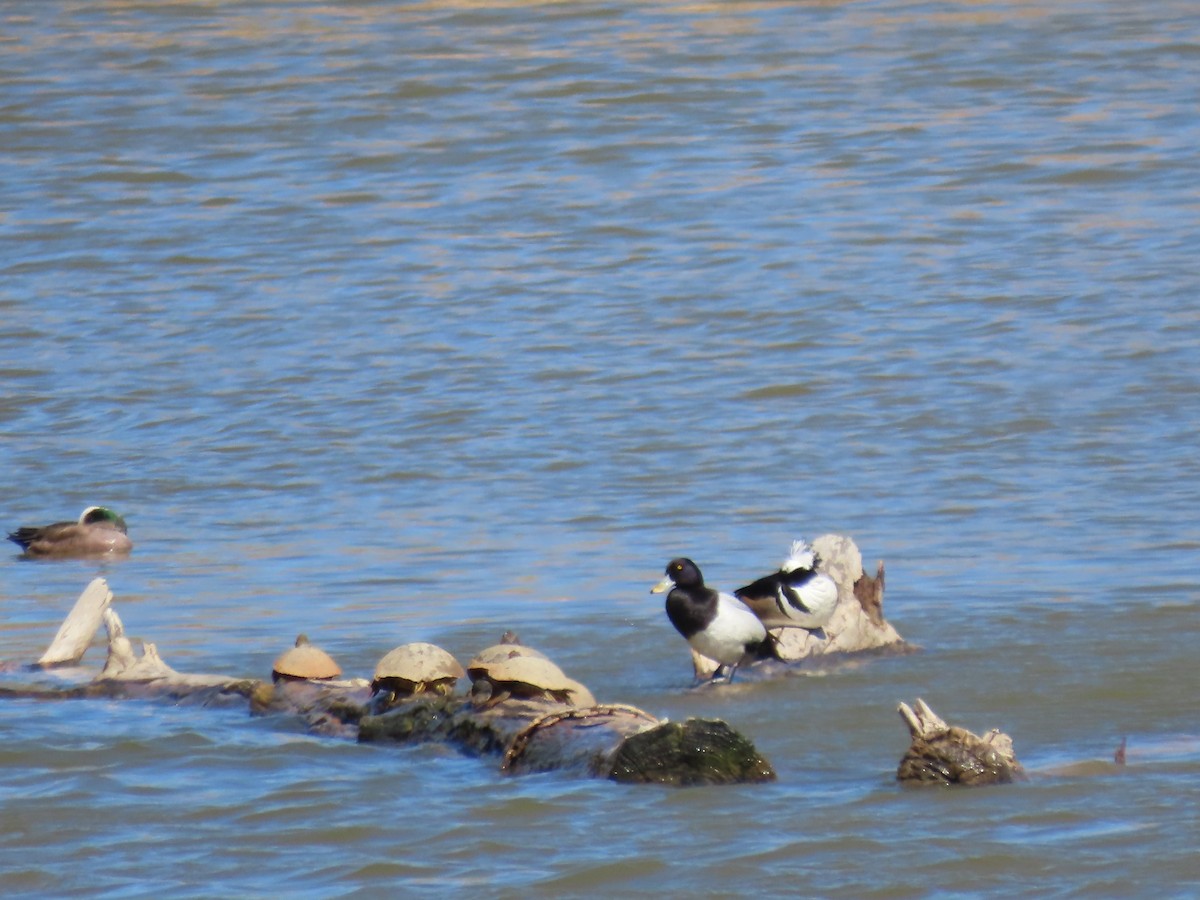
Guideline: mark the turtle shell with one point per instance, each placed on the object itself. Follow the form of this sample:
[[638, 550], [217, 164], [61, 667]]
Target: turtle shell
[[497, 653], [530, 677], [415, 668], [304, 662]]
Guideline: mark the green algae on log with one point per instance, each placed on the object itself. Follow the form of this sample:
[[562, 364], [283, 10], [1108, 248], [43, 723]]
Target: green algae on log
[[700, 751]]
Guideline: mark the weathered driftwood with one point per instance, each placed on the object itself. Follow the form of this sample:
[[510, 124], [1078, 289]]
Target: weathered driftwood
[[857, 626], [528, 735], [125, 673], [947, 754], [588, 736], [79, 627], [147, 675]]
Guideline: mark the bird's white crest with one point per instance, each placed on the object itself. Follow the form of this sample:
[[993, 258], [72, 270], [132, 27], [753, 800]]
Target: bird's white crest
[[800, 557]]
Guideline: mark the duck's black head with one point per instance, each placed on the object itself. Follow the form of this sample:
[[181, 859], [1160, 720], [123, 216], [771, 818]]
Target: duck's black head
[[685, 573]]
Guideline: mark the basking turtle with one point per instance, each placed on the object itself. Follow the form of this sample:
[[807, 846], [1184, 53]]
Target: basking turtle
[[417, 668], [497, 652], [523, 676], [304, 662]]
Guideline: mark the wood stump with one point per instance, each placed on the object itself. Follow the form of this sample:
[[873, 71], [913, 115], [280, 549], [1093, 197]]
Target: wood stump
[[947, 754]]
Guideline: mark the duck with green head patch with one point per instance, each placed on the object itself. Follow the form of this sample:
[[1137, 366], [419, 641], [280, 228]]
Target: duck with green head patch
[[99, 532]]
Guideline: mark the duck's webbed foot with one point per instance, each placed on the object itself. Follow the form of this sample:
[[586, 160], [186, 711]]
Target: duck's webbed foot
[[724, 674]]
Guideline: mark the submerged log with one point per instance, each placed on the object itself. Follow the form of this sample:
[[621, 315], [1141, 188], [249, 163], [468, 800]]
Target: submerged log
[[329, 708], [581, 739], [540, 733], [530, 735], [456, 720], [947, 754], [614, 741], [857, 626]]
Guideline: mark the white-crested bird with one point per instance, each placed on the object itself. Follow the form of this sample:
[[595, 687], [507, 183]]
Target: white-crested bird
[[797, 595]]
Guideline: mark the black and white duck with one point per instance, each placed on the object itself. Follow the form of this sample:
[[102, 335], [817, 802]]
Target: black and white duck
[[796, 595], [715, 624]]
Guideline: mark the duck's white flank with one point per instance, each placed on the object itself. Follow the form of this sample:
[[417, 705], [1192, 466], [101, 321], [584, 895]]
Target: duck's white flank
[[734, 626]]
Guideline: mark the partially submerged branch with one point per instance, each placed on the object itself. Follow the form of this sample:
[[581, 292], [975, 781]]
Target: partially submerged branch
[[540, 733], [947, 754], [150, 673], [613, 741]]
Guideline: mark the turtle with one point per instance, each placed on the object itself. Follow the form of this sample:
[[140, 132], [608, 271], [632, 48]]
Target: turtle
[[504, 650], [304, 662], [498, 676], [416, 668]]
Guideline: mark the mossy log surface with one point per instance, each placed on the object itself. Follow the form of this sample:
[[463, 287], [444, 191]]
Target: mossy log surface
[[527, 735], [700, 751], [948, 755], [612, 741]]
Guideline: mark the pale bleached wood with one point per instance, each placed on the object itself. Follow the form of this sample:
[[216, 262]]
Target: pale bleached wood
[[80, 626], [124, 664], [922, 721]]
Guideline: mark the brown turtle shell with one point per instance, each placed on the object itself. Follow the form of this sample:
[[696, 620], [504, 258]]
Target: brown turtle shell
[[531, 677], [304, 662], [485, 658], [416, 667]]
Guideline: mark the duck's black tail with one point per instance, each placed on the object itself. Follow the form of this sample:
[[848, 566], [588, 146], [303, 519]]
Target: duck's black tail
[[23, 536], [767, 648]]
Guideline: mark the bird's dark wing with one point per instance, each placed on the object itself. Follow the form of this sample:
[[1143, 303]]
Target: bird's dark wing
[[766, 588]]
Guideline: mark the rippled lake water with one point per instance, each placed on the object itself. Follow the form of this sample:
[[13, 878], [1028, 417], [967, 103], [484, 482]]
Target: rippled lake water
[[420, 321]]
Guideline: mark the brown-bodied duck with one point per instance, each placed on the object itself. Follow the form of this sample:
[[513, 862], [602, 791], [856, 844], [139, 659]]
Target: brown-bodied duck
[[99, 532]]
